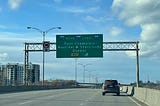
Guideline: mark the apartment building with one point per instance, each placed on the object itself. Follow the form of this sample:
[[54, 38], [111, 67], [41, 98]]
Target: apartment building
[[13, 74], [33, 74], [2, 75]]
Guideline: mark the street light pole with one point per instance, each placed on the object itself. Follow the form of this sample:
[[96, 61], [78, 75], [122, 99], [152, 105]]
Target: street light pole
[[89, 76], [84, 69], [43, 57], [44, 34], [84, 66], [75, 72]]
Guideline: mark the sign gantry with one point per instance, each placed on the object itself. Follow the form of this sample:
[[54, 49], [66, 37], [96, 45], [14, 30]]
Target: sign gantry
[[106, 46], [120, 46]]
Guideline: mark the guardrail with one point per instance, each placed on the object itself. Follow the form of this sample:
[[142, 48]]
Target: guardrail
[[149, 96]]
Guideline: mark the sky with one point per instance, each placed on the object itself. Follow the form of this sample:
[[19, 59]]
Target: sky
[[117, 20]]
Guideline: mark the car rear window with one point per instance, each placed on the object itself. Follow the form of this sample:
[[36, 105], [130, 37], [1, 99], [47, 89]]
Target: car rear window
[[111, 82]]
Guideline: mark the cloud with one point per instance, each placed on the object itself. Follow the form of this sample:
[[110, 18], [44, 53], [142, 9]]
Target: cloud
[[90, 18], [78, 9], [14, 4], [115, 31], [150, 32], [3, 56], [99, 19], [144, 13], [12, 46]]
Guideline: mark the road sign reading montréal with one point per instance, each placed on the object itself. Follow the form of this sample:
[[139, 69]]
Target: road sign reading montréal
[[79, 46]]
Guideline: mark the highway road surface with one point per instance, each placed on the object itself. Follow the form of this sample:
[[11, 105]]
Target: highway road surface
[[66, 97]]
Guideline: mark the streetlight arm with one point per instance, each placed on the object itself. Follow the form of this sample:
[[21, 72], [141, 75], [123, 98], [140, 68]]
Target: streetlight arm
[[52, 29], [35, 29], [44, 31], [84, 65]]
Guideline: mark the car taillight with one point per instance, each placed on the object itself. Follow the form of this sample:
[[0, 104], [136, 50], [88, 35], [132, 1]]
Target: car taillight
[[105, 85], [117, 85]]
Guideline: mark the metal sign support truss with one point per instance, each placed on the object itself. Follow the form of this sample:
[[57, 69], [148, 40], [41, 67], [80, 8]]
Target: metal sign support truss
[[107, 46]]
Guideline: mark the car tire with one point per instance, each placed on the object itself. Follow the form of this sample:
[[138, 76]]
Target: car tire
[[103, 93]]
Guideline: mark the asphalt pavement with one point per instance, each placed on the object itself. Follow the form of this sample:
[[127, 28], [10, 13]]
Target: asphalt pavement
[[66, 97]]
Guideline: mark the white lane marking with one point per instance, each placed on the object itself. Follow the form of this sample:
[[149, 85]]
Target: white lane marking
[[25, 102], [134, 101], [81, 104], [88, 99], [61, 94], [48, 97]]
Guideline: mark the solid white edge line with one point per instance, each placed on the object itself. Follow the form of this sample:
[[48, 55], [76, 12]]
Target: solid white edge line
[[134, 101], [25, 102]]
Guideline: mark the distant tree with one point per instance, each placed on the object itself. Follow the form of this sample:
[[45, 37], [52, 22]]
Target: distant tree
[[158, 82]]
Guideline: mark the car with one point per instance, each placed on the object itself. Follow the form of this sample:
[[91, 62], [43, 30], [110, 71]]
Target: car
[[111, 86]]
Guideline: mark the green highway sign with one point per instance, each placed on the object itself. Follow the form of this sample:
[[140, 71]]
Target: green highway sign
[[79, 46]]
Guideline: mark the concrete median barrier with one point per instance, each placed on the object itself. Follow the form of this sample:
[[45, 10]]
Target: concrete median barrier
[[149, 96]]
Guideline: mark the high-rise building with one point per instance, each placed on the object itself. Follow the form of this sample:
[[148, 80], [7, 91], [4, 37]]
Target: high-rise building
[[2, 75], [14, 74], [33, 74]]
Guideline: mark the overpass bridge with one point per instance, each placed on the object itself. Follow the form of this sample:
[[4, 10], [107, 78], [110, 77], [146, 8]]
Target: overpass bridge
[[90, 85]]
